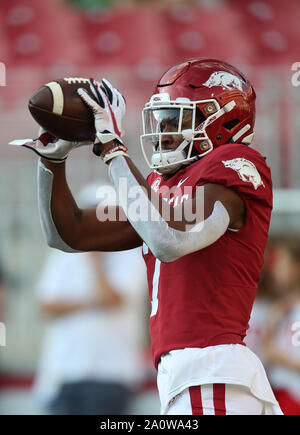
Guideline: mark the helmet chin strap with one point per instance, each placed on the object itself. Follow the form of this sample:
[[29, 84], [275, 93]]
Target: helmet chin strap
[[171, 160], [167, 161]]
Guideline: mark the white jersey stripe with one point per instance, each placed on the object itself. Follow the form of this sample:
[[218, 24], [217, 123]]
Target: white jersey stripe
[[155, 283], [207, 395]]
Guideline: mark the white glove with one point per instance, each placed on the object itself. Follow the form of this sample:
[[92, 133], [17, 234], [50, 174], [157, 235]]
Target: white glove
[[108, 113], [49, 147]]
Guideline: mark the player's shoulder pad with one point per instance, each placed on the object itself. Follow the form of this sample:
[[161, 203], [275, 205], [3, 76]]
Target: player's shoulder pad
[[237, 166], [231, 151], [248, 163]]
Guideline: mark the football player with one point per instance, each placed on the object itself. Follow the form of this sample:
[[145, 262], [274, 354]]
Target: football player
[[202, 216]]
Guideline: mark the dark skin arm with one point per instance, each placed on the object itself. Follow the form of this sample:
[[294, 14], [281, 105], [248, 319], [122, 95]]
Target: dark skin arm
[[212, 193], [81, 229]]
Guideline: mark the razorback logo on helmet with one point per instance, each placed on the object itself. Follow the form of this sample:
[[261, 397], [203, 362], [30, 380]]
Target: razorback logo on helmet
[[224, 79], [246, 170]]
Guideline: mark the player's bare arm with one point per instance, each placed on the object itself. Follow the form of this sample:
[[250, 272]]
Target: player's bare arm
[[170, 237], [80, 229], [211, 192]]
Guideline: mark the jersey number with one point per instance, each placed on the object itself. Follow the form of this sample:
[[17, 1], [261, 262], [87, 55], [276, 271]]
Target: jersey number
[[155, 281]]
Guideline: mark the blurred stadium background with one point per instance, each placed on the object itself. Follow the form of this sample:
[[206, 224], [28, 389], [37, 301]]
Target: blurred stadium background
[[131, 43]]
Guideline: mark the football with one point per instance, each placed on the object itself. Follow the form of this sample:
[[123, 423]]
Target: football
[[58, 108]]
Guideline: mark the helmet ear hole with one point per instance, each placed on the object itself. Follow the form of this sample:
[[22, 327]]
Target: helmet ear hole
[[229, 125], [199, 117]]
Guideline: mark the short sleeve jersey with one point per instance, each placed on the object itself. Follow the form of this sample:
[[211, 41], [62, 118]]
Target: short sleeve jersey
[[205, 298]]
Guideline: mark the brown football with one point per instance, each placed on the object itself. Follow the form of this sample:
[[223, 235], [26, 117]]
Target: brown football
[[58, 108]]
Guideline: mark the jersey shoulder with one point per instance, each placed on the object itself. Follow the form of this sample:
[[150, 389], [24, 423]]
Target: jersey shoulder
[[237, 166], [230, 151]]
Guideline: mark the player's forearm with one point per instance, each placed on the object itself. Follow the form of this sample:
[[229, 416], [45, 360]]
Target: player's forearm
[[164, 209], [70, 229], [59, 213], [165, 241]]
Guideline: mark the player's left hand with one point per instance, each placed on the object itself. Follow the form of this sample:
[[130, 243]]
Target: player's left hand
[[49, 147], [108, 112]]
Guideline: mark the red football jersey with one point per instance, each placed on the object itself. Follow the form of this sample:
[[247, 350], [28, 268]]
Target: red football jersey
[[205, 298]]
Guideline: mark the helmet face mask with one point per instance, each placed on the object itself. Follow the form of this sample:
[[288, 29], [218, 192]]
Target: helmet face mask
[[167, 127], [196, 109]]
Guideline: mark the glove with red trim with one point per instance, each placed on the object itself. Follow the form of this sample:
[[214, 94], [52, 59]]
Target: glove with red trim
[[49, 147], [108, 111]]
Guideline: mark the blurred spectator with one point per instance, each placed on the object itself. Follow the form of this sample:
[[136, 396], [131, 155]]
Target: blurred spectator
[[93, 3], [90, 358], [2, 294], [281, 344], [160, 4], [266, 295], [2, 299]]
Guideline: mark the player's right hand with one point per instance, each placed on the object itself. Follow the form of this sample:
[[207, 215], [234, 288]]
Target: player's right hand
[[108, 111], [49, 147]]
